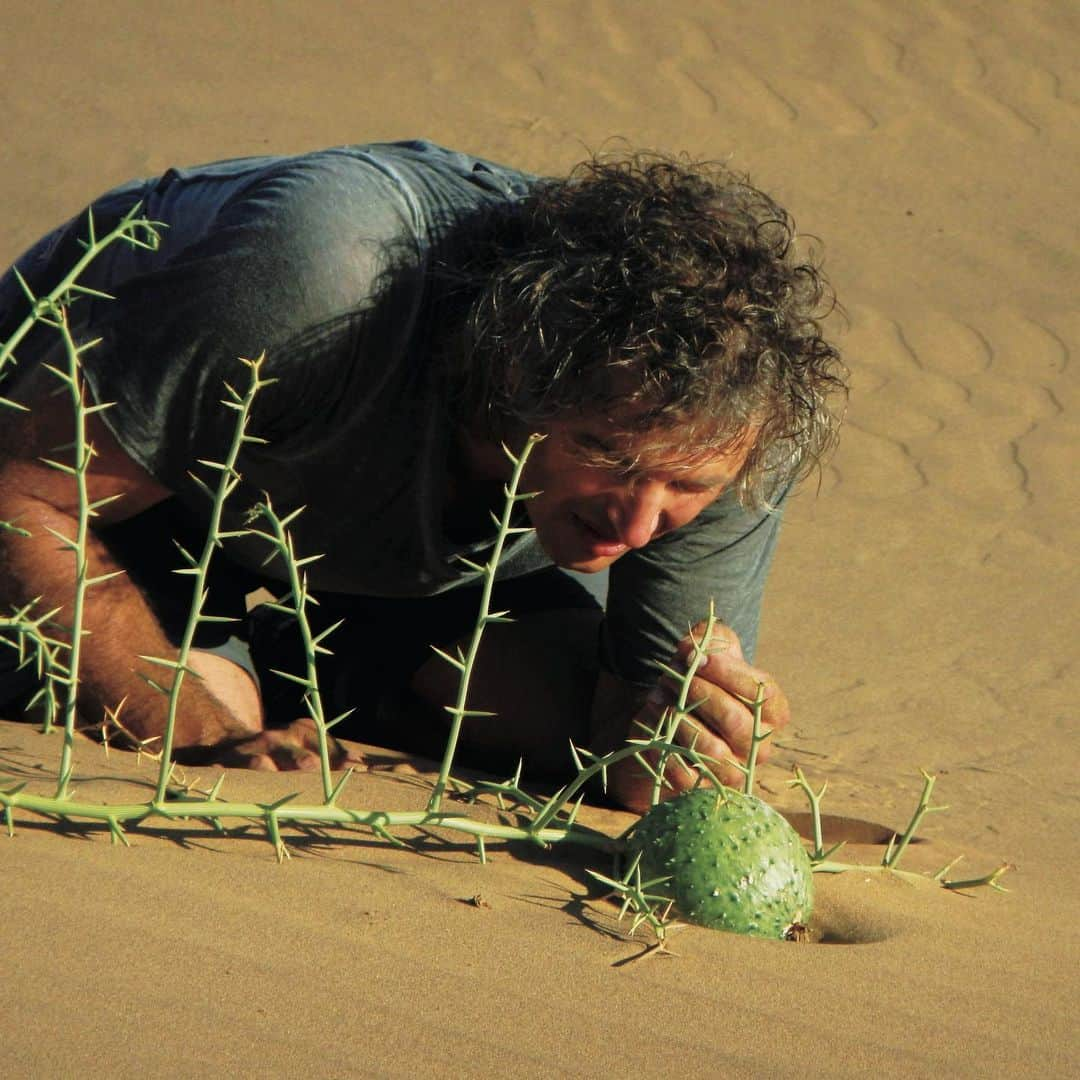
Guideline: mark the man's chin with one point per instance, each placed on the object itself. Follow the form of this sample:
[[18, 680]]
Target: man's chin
[[590, 565]]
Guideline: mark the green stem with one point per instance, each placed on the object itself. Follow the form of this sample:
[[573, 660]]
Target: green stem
[[683, 709], [50, 310], [128, 229], [285, 812], [634, 748], [227, 481], [800, 781], [756, 738], [896, 850], [282, 541], [465, 665], [83, 452]]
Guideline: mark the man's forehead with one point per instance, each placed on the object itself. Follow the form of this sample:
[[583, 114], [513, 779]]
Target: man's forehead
[[620, 438]]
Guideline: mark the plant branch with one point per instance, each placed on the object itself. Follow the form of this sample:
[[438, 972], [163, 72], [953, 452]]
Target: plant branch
[[228, 478], [459, 711], [281, 539], [83, 454], [896, 850], [133, 228]]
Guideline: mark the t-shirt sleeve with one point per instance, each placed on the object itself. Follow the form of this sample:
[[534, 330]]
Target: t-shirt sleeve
[[657, 593], [290, 266]]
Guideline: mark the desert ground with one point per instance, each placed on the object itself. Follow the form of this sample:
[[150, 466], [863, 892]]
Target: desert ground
[[921, 613]]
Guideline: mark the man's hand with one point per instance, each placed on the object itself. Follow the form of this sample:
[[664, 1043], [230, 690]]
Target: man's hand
[[720, 726], [284, 750], [723, 723]]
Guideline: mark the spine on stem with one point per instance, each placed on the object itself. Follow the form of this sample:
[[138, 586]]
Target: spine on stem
[[228, 478], [465, 662], [683, 708], [133, 228], [50, 309], [83, 452], [46, 651], [281, 540]]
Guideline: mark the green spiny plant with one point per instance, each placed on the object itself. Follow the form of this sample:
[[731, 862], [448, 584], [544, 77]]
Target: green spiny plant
[[725, 858], [134, 228], [717, 857], [50, 309], [465, 661], [541, 821], [281, 543], [171, 800]]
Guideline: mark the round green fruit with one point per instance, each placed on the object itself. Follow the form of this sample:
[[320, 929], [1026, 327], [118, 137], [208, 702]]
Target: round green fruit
[[730, 860]]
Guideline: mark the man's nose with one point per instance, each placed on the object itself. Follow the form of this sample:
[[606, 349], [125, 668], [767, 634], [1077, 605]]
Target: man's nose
[[636, 514]]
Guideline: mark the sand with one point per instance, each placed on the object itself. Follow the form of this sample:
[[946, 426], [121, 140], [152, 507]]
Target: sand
[[921, 613]]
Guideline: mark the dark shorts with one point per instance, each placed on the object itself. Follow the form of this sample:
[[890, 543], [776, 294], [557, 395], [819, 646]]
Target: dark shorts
[[375, 652]]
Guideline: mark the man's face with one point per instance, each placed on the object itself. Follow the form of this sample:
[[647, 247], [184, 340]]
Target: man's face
[[588, 515]]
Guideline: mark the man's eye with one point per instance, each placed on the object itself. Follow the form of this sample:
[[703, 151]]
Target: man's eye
[[687, 487], [602, 455]]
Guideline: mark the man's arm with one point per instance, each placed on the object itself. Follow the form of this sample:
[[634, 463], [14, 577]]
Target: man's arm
[[37, 497]]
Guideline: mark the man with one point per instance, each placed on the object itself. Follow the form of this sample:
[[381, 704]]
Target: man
[[418, 307]]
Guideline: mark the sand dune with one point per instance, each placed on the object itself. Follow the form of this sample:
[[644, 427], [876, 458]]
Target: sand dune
[[922, 611]]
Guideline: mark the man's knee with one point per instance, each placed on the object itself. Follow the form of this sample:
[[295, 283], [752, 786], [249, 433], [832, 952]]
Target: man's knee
[[536, 674], [232, 684]]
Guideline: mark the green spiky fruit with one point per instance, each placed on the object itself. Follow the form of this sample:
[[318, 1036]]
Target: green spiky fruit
[[730, 860]]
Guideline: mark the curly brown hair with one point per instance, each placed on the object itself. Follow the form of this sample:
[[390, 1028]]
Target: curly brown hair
[[668, 291]]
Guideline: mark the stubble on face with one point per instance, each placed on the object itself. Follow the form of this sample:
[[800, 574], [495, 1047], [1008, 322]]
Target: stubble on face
[[601, 495]]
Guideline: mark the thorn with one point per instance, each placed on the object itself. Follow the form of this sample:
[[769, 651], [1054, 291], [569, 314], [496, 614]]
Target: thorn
[[576, 757], [117, 833], [889, 850], [448, 658], [281, 802], [341, 716], [572, 816], [947, 867], [339, 786]]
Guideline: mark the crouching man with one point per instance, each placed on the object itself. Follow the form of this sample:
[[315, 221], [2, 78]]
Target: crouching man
[[417, 308]]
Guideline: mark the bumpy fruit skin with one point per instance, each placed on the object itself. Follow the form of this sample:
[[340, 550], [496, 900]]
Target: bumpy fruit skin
[[733, 862]]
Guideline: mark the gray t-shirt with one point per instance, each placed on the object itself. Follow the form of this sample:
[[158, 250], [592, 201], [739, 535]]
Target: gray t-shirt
[[336, 264]]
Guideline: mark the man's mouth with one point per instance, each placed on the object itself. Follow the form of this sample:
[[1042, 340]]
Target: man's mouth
[[600, 542]]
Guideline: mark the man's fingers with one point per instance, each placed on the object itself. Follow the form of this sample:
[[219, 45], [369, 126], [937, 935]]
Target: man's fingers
[[291, 749], [720, 699], [737, 676], [724, 716], [724, 642], [720, 712], [730, 673], [307, 735], [289, 758], [720, 757], [256, 760]]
